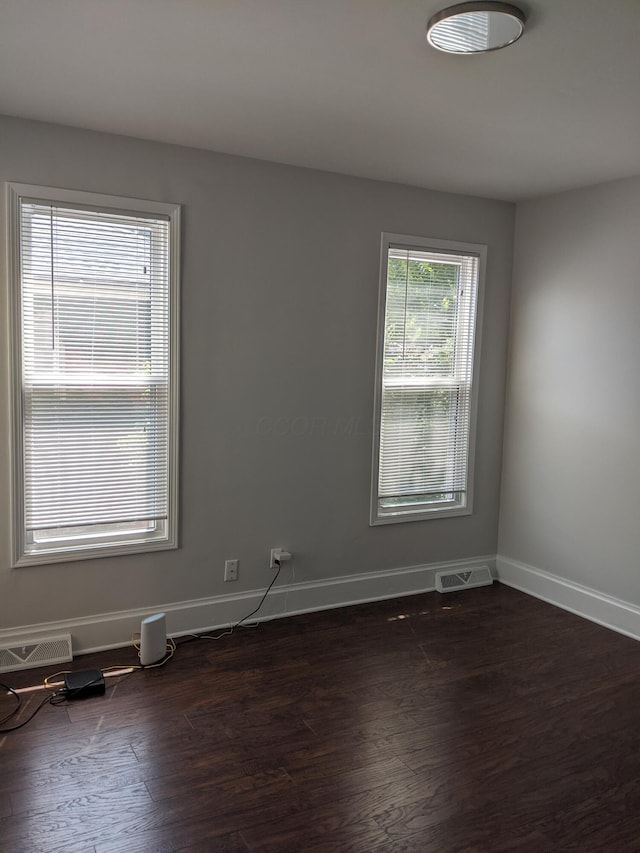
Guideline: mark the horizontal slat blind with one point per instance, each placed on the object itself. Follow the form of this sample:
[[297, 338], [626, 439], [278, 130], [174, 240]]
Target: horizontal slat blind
[[95, 368], [426, 378]]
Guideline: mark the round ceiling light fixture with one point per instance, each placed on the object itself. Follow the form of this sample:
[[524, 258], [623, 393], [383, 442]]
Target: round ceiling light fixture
[[475, 27]]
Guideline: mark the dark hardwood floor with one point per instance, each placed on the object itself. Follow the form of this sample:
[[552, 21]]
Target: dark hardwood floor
[[476, 721]]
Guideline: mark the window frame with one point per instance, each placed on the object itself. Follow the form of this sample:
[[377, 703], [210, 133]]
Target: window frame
[[461, 503], [111, 544]]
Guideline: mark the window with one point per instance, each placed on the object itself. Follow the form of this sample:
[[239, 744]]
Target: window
[[425, 400], [94, 303]]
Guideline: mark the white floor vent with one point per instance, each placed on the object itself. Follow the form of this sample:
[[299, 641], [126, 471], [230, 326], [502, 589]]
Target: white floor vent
[[452, 580], [22, 653]]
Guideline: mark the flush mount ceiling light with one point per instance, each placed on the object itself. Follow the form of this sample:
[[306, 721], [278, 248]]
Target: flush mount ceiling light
[[475, 27]]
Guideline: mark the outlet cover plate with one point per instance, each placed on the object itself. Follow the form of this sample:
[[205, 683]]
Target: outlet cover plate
[[231, 570]]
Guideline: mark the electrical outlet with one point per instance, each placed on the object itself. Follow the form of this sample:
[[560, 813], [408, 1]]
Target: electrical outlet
[[275, 555], [231, 570]]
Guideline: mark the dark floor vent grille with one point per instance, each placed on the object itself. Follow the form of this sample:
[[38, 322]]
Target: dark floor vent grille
[[452, 580]]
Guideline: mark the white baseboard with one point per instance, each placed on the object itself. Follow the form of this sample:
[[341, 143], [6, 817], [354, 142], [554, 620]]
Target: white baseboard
[[111, 630], [606, 610]]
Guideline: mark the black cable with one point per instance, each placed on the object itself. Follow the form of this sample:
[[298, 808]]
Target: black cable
[[266, 593], [63, 695], [229, 631], [16, 707], [59, 697], [46, 699]]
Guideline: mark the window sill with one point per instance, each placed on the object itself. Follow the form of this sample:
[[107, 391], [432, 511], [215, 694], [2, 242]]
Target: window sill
[[422, 514], [93, 552]]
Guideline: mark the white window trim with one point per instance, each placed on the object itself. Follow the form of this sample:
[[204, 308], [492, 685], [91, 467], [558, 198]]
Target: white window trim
[[464, 506], [14, 193]]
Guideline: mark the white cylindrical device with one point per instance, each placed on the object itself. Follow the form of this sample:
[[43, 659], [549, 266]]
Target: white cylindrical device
[[153, 639]]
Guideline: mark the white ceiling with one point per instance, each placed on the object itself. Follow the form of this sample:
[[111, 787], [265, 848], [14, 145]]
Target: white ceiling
[[343, 85]]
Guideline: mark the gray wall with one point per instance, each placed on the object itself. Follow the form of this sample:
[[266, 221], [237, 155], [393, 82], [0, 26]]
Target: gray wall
[[570, 500], [279, 289]]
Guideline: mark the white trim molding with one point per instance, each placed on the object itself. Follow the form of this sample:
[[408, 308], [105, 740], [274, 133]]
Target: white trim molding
[[112, 630], [613, 613], [99, 535], [471, 260]]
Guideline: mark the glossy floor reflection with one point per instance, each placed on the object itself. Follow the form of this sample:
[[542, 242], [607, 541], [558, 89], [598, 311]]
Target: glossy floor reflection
[[483, 720]]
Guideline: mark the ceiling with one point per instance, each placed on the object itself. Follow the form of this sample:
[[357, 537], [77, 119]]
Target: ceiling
[[347, 86]]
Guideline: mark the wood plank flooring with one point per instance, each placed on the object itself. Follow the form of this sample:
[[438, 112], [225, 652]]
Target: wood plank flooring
[[477, 721]]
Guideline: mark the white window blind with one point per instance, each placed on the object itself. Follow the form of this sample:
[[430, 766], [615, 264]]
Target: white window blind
[[98, 450], [425, 379]]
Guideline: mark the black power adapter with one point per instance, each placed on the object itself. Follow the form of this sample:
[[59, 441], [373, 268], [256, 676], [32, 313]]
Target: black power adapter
[[84, 683]]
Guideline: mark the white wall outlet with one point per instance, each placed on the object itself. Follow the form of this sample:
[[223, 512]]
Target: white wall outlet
[[231, 570], [275, 555], [279, 555]]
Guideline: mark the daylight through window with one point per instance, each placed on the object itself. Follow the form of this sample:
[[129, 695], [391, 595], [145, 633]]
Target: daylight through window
[[95, 303], [425, 389]]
